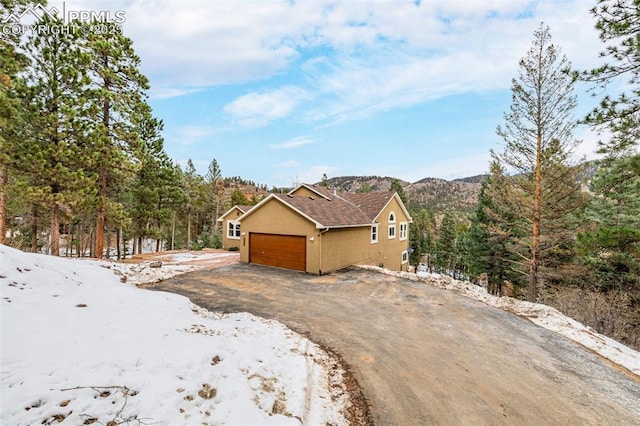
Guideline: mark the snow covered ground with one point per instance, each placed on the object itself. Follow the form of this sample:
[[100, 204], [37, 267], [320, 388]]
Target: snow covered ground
[[542, 315], [81, 347]]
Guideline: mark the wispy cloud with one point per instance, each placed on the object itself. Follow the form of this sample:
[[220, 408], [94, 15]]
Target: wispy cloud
[[290, 164], [293, 143], [190, 135], [170, 92], [258, 109]]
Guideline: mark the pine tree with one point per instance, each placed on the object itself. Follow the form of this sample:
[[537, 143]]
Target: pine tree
[[492, 232], [619, 24], [612, 243], [216, 189], [12, 107], [191, 181], [446, 244], [54, 152], [156, 191], [538, 144], [118, 96], [396, 186], [238, 197]]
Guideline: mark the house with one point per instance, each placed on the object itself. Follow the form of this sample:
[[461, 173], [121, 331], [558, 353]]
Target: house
[[231, 226], [315, 230]]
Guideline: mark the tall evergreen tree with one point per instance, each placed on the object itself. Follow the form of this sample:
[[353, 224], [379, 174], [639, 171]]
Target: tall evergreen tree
[[118, 96], [156, 192], [396, 186], [492, 231], [619, 24], [612, 242], [216, 190], [538, 136], [446, 244], [54, 151], [12, 109]]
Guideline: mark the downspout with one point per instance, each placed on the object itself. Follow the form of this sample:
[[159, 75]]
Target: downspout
[[322, 231]]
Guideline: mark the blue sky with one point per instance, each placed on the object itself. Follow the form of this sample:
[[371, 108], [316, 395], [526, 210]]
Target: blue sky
[[279, 92]]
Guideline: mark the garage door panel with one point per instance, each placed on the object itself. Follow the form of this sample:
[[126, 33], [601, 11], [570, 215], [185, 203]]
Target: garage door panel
[[283, 251]]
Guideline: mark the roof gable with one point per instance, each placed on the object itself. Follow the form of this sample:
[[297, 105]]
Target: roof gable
[[321, 191], [329, 210], [241, 208], [327, 213]]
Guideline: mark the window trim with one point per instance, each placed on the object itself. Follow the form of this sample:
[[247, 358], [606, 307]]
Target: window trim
[[404, 226], [233, 233], [374, 233], [405, 257], [391, 231]]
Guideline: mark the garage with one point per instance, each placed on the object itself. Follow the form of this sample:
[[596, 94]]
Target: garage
[[282, 251]]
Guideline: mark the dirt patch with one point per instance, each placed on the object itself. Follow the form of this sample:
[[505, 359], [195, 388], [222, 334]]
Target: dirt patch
[[201, 259]]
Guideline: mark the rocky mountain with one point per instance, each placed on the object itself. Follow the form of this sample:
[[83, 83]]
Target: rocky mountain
[[433, 194]]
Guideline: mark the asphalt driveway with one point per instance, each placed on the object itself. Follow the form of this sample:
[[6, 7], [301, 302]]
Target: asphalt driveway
[[423, 355]]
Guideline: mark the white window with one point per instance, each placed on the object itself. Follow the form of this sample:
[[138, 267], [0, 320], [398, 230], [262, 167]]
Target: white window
[[403, 230], [392, 225], [233, 229], [405, 256], [374, 234]]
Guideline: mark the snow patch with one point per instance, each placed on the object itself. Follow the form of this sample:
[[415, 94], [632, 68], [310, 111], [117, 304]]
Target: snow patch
[[78, 345]]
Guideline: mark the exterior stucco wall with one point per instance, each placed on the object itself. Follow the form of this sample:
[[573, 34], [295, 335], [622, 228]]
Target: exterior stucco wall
[[348, 246], [344, 247], [274, 218], [389, 251], [227, 242], [304, 192]]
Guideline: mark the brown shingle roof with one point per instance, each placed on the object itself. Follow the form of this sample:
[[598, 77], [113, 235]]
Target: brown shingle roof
[[327, 213], [371, 203], [244, 207]]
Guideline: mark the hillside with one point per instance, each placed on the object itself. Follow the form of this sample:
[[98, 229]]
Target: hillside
[[433, 194]]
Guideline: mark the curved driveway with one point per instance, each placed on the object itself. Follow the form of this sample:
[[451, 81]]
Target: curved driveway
[[427, 356]]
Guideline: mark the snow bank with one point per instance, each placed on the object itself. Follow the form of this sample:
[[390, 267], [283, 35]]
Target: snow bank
[[77, 345], [542, 315]]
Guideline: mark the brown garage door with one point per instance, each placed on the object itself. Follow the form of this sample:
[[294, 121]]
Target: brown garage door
[[283, 251]]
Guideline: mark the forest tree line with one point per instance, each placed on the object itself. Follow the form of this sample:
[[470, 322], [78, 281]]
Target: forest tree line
[[547, 227], [82, 155]]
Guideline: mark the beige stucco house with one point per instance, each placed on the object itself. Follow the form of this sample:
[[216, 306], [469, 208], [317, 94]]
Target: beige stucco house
[[315, 230], [231, 226]]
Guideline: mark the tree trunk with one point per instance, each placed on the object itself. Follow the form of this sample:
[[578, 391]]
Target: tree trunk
[[140, 248], [102, 174], [34, 230], [118, 234], [173, 231], [4, 182], [158, 245], [100, 216], [189, 231], [55, 230], [535, 234]]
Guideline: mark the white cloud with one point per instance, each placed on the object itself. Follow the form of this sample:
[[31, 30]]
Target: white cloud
[[170, 92], [258, 109], [371, 56], [290, 164], [293, 143], [190, 135]]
